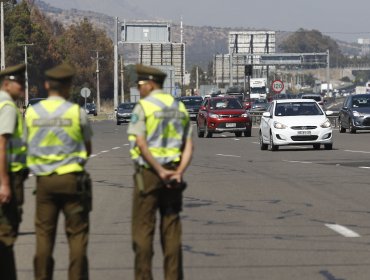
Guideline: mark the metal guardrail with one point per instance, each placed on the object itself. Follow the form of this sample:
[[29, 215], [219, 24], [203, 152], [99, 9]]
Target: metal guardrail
[[256, 118]]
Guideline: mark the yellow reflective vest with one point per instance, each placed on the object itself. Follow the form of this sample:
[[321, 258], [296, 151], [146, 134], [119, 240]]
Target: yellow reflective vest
[[166, 123], [54, 138], [16, 147]]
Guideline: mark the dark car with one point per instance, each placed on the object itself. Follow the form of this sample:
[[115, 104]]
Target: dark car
[[91, 109], [355, 113], [124, 112], [192, 104], [223, 114], [259, 105]]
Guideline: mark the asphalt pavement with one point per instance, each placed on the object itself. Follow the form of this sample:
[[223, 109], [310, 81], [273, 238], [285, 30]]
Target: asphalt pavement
[[297, 213]]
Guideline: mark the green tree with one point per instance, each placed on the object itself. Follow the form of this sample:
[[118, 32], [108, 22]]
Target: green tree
[[78, 45], [310, 41]]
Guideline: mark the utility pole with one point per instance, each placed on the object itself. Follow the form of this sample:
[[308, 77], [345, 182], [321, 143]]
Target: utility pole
[[26, 95], [327, 72], [115, 70], [2, 37], [122, 82], [97, 58]]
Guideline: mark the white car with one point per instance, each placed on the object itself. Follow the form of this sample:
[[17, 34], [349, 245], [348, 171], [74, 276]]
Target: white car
[[295, 122]]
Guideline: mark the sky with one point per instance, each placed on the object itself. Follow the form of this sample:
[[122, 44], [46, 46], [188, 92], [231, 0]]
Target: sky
[[344, 20]]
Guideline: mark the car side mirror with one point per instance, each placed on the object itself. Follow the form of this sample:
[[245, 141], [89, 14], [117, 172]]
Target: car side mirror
[[345, 108], [115, 109], [266, 115], [329, 113]]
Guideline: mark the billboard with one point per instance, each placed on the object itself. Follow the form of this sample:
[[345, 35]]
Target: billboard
[[145, 32], [256, 42]]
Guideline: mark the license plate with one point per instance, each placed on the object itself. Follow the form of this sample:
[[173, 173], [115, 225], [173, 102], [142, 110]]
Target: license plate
[[231, 125], [192, 115], [304, 132]]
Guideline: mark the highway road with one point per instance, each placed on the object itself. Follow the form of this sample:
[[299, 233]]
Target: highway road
[[297, 213]]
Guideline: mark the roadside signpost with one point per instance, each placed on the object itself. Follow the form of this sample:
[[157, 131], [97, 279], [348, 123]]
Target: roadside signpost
[[277, 86], [85, 92]]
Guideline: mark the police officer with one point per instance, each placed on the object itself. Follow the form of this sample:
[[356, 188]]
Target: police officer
[[59, 141], [12, 166], [161, 148]]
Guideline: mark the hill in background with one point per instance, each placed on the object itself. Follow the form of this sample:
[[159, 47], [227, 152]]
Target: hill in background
[[202, 42]]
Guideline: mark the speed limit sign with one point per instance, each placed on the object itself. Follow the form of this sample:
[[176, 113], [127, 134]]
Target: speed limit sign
[[277, 86]]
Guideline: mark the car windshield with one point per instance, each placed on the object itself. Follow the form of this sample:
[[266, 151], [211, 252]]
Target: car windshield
[[127, 106], [90, 105], [297, 109], [33, 101], [361, 102], [227, 103], [314, 97], [192, 101]]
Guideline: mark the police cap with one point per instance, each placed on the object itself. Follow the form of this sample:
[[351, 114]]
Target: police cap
[[146, 73], [61, 72], [14, 73]]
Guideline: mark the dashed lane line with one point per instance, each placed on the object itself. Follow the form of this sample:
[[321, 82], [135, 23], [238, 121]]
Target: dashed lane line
[[115, 148], [352, 151], [222, 155], [297, 161], [342, 230]]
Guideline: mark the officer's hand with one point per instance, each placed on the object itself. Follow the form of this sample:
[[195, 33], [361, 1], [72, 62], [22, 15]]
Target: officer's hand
[[166, 174], [5, 194], [177, 176]]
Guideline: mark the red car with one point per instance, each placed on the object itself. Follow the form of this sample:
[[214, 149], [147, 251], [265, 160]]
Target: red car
[[223, 114]]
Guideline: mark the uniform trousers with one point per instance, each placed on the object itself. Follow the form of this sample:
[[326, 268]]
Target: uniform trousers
[[55, 194], [10, 218], [154, 196]]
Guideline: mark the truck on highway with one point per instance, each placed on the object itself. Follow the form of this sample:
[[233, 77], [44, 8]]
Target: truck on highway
[[258, 88]]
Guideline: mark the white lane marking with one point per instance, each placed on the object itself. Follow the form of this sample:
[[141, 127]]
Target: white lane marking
[[126, 144], [223, 135], [115, 148], [255, 142], [236, 139], [362, 152], [364, 167], [342, 230], [93, 155], [222, 155], [297, 161], [104, 151]]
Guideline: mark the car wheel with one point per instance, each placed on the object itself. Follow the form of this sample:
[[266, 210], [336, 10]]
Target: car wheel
[[263, 146], [200, 133], [328, 146], [248, 133], [207, 133], [238, 134], [316, 146], [273, 147], [341, 128], [350, 127]]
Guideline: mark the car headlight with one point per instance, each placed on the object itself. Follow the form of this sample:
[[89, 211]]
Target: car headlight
[[279, 125], [326, 124], [212, 115], [245, 115], [357, 114]]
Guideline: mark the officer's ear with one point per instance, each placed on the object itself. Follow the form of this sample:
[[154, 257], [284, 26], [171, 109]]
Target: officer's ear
[[47, 85]]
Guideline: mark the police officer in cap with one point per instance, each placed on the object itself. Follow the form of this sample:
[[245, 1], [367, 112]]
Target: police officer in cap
[[12, 165], [59, 141], [161, 148]]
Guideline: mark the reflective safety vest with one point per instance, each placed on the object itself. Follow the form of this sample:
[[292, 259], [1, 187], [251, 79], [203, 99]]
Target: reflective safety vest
[[55, 139], [16, 147], [166, 122]]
